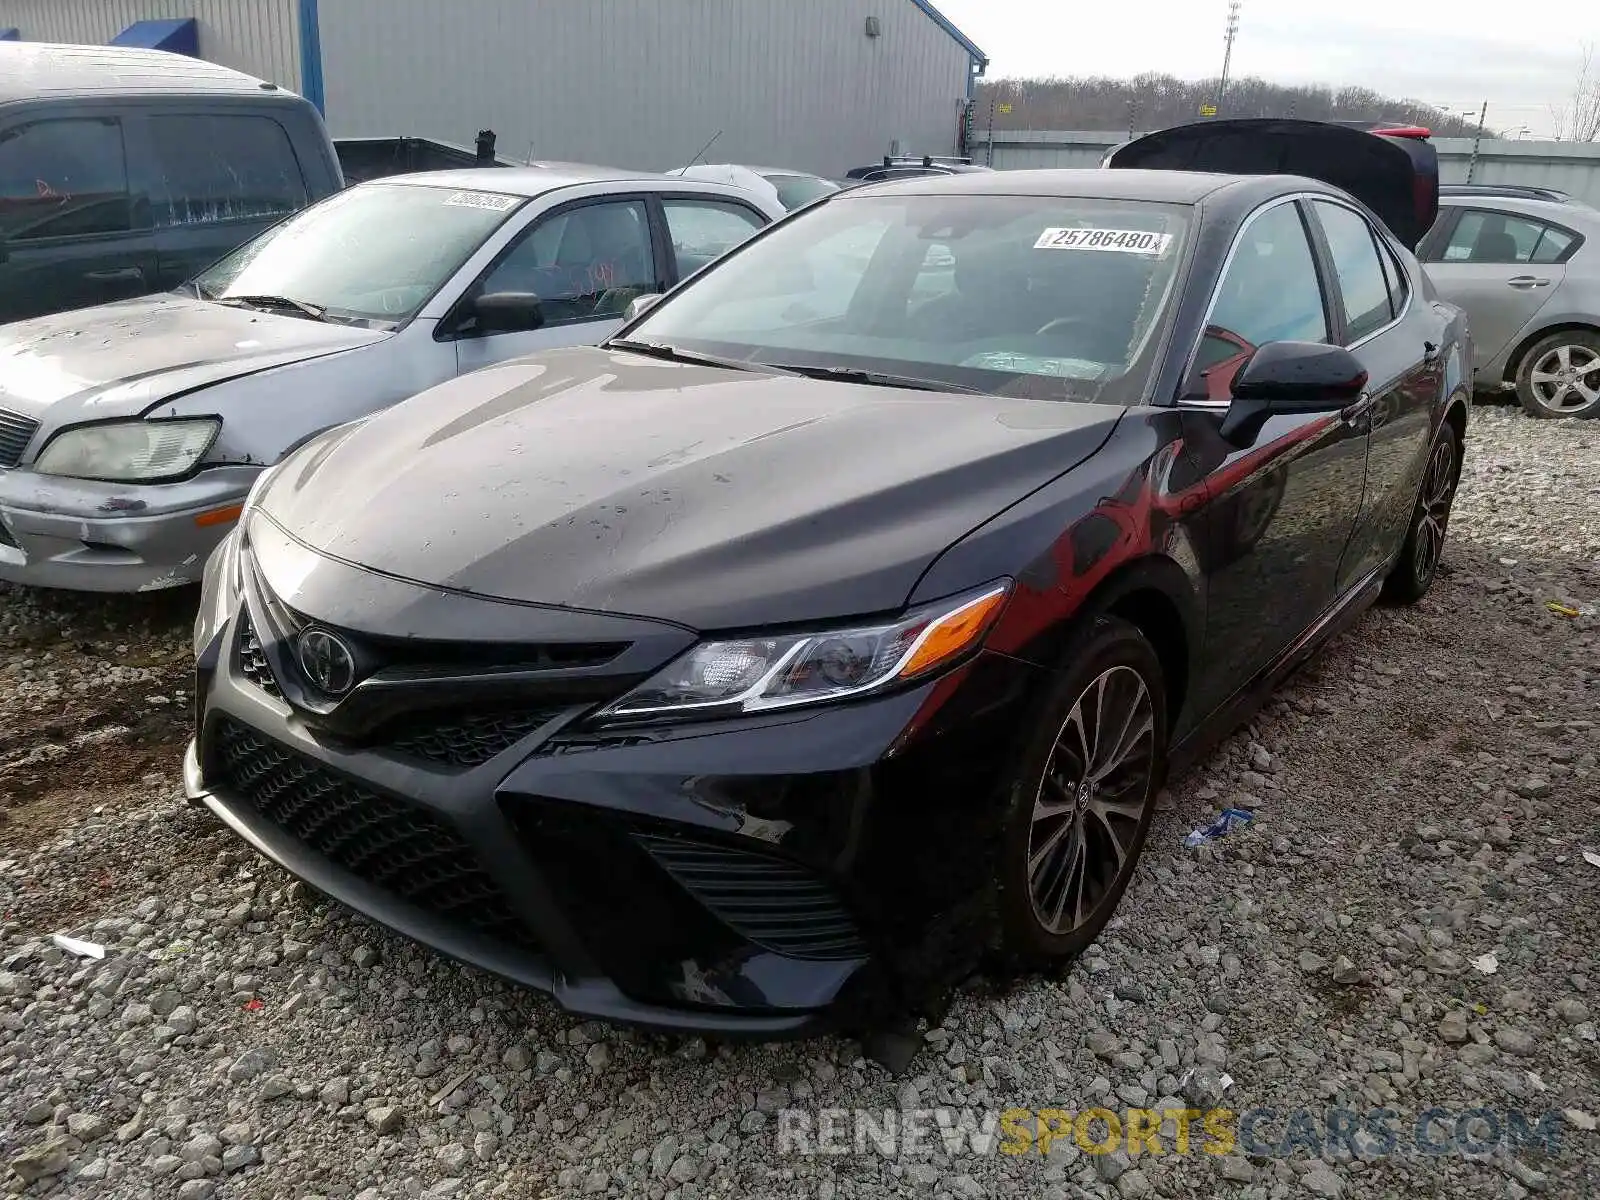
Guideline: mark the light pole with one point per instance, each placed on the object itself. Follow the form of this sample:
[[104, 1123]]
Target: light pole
[[1227, 50]]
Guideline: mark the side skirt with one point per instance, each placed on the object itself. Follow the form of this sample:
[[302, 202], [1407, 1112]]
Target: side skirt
[[1239, 707]]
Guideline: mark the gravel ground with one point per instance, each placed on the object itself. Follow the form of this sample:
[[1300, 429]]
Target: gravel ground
[[1424, 793]]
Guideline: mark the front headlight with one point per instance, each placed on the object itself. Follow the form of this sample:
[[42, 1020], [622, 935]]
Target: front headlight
[[129, 451], [758, 674]]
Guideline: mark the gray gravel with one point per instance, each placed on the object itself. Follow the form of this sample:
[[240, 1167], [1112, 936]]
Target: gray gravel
[[1423, 793]]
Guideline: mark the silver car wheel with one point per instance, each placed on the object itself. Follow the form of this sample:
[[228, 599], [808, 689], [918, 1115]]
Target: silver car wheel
[[1566, 379]]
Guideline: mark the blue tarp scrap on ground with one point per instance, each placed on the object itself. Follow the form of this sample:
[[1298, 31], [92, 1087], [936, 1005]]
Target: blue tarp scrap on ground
[[181, 36]]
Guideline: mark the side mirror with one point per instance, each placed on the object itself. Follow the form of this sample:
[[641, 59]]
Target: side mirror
[[1291, 377], [508, 312], [639, 305]]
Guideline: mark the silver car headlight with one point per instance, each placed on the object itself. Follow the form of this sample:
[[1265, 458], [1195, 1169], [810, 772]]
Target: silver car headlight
[[785, 670], [129, 451]]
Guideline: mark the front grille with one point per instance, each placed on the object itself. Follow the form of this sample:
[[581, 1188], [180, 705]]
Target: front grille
[[767, 900], [16, 431], [466, 741], [253, 664], [389, 843]]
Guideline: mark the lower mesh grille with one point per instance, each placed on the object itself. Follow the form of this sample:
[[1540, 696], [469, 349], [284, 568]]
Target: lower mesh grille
[[772, 902], [391, 844], [253, 663], [466, 741]]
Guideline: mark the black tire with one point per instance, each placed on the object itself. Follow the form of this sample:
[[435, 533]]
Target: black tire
[[1112, 649], [1414, 572], [1549, 370]]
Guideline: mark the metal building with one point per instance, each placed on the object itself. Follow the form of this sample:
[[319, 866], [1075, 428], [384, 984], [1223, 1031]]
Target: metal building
[[817, 85]]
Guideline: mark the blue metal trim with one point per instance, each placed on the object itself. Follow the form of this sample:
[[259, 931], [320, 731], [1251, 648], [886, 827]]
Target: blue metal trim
[[311, 55], [949, 26]]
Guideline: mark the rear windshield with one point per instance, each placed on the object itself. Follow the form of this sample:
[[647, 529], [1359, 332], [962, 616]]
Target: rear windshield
[[1051, 297], [797, 190]]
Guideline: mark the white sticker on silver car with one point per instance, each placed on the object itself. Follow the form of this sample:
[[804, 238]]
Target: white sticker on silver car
[[1124, 241]]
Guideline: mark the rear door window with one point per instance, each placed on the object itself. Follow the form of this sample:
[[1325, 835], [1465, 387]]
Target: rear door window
[[63, 178], [1353, 246], [211, 169], [1489, 236]]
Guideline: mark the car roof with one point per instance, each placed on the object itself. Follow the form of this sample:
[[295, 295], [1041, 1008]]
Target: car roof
[[539, 179], [526, 181], [45, 71], [1562, 212], [1173, 187]]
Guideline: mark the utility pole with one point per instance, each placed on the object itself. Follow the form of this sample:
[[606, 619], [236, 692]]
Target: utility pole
[[994, 97], [1227, 49], [1472, 163]]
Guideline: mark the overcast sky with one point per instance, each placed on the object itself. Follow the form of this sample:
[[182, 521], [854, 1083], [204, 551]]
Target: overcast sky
[[1522, 57]]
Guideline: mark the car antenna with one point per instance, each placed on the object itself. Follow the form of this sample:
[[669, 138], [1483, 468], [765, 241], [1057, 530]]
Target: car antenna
[[702, 151]]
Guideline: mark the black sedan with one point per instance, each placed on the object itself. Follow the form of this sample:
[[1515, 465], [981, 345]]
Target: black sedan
[[830, 630]]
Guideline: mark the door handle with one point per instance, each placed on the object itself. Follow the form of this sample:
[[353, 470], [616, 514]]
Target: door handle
[[1352, 413], [119, 275], [1526, 281]]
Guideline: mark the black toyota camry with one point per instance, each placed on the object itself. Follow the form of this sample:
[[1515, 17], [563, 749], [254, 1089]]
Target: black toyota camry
[[829, 631]]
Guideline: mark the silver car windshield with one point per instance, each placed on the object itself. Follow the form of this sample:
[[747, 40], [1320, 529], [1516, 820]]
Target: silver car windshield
[[1048, 297], [376, 252]]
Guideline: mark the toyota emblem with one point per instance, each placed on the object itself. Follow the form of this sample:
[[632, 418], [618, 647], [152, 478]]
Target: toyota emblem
[[327, 662]]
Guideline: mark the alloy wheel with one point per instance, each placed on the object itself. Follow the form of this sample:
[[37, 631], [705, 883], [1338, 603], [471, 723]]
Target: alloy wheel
[[1567, 378], [1090, 799], [1438, 491]]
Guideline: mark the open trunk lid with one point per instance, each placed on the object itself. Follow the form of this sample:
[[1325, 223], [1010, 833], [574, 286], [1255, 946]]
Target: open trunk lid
[[1394, 171]]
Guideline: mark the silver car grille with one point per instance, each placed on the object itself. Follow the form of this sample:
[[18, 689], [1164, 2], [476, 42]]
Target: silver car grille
[[16, 431]]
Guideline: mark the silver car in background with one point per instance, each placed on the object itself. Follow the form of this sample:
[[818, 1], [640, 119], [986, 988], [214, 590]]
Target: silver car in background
[[131, 433], [1525, 266], [792, 189]]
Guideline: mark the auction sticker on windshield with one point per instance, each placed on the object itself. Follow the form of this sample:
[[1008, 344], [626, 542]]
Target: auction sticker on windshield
[[490, 200], [1125, 241]]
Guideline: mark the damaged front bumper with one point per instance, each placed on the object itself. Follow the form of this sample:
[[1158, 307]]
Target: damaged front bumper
[[90, 536]]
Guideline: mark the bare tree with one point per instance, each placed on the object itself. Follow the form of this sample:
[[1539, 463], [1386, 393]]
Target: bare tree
[[1578, 120], [1157, 101]]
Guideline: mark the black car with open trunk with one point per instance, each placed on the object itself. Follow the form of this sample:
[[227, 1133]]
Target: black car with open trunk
[[831, 629]]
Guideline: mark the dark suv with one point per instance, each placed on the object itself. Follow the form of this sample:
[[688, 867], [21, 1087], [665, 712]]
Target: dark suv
[[124, 172]]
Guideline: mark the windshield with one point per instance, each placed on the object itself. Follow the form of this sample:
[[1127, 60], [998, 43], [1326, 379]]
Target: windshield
[[375, 252], [1047, 297], [797, 190]]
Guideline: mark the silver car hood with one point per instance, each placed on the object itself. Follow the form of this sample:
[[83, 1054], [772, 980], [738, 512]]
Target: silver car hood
[[118, 360]]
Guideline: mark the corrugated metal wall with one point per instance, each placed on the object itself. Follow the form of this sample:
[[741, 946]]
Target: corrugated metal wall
[[259, 37], [645, 83], [1572, 167]]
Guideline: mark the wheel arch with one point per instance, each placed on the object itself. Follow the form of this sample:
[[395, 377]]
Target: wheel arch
[[1514, 359], [1155, 595]]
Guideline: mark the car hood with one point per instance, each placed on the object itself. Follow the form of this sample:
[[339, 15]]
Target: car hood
[[1396, 177], [117, 360], [606, 481]]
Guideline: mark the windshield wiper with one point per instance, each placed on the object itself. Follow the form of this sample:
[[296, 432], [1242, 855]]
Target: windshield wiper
[[278, 302], [881, 379], [674, 354]]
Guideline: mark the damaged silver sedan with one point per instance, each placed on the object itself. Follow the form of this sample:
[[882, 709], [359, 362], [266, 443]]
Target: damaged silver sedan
[[131, 433]]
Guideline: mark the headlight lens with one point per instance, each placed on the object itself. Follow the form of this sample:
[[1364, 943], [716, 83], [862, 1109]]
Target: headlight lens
[[762, 673], [129, 451]]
